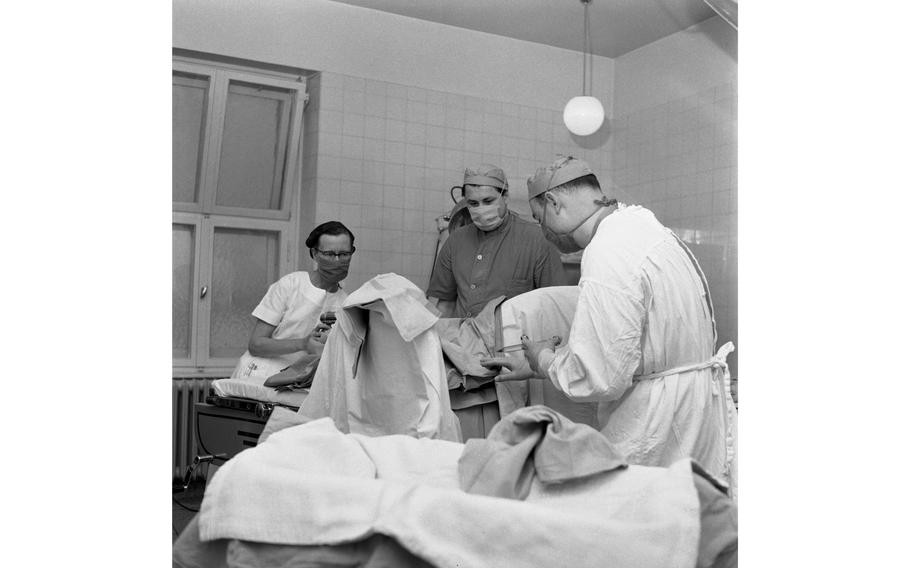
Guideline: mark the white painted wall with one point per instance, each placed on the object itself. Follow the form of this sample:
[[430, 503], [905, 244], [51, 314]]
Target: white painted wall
[[327, 36], [677, 66]]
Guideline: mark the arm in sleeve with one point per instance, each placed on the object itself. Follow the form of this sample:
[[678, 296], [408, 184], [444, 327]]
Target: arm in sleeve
[[274, 304], [548, 270], [262, 344], [269, 313], [604, 346], [442, 283]]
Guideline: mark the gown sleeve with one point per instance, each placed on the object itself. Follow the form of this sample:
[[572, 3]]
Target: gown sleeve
[[604, 346], [274, 304]]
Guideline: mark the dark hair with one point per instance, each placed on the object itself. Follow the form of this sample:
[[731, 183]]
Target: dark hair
[[332, 228]]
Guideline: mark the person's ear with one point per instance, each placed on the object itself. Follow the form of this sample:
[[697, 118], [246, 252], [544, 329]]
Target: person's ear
[[551, 199]]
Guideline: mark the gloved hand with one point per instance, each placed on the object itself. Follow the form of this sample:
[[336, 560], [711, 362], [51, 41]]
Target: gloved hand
[[516, 368], [520, 369], [316, 340], [533, 349]]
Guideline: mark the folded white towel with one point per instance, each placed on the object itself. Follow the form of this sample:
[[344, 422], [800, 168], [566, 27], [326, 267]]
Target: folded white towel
[[311, 484]]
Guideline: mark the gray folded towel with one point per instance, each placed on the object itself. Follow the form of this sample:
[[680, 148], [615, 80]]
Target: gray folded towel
[[299, 374], [535, 441]]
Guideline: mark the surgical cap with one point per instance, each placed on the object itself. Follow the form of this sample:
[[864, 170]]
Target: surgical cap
[[563, 170], [486, 174]]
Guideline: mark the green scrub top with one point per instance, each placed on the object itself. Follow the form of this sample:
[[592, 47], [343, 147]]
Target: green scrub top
[[476, 266]]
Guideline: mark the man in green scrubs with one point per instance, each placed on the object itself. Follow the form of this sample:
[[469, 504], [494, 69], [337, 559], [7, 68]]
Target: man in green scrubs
[[498, 254]]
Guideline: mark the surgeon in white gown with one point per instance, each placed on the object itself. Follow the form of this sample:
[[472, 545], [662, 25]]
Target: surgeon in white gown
[[643, 337]]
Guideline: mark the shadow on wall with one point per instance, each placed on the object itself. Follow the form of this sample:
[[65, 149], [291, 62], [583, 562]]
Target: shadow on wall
[[596, 141]]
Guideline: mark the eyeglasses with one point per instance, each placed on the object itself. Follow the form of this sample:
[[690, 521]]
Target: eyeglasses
[[344, 255]]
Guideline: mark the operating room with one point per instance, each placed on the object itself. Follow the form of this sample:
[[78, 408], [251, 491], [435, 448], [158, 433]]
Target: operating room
[[388, 112]]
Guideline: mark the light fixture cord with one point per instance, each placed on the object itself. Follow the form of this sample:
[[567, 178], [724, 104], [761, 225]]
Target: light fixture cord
[[587, 59], [584, 53], [590, 50]]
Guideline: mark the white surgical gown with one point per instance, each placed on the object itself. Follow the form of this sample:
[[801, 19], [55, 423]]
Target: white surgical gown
[[642, 310], [293, 305]]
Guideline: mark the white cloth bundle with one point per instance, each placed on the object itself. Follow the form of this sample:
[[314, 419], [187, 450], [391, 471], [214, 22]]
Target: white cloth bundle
[[540, 314], [382, 370], [311, 484]]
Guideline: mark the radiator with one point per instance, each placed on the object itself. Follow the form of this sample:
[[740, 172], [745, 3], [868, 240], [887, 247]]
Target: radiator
[[186, 393]]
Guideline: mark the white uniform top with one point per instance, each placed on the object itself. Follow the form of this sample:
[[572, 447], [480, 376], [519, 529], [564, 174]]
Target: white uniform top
[[643, 310], [293, 305]]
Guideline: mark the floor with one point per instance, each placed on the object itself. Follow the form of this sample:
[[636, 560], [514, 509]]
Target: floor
[[183, 501]]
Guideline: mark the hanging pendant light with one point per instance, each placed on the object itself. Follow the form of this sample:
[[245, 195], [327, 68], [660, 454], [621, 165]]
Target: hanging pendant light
[[584, 114]]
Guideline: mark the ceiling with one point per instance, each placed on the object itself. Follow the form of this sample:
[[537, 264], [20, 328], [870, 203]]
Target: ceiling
[[617, 26]]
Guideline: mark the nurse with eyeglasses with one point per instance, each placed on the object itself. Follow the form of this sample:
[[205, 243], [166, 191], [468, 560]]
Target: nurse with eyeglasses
[[331, 255], [288, 324]]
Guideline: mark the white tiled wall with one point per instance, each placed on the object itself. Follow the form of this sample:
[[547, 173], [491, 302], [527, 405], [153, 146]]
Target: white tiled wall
[[381, 157], [387, 155], [679, 160]]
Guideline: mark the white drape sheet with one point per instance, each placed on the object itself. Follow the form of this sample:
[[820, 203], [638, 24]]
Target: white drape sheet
[[382, 370], [311, 484]]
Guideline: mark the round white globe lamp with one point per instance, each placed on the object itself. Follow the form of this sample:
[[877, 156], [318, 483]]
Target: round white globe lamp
[[583, 115]]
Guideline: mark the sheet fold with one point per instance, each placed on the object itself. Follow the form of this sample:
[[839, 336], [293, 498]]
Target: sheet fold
[[381, 371], [311, 484], [534, 442]]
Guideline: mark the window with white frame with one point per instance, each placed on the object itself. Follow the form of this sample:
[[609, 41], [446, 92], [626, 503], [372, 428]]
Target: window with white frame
[[236, 163]]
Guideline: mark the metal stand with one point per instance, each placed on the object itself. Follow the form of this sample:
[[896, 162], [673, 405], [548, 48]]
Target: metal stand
[[197, 461]]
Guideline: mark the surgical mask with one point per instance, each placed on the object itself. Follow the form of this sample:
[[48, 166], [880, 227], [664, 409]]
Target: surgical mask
[[564, 243], [332, 271], [488, 217]]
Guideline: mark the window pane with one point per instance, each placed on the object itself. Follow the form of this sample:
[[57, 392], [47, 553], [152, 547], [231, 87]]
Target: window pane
[[187, 125], [254, 146], [182, 289], [245, 264]]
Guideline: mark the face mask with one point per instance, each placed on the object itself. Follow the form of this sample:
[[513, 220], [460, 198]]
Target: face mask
[[564, 243], [488, 217], [332, 271]]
